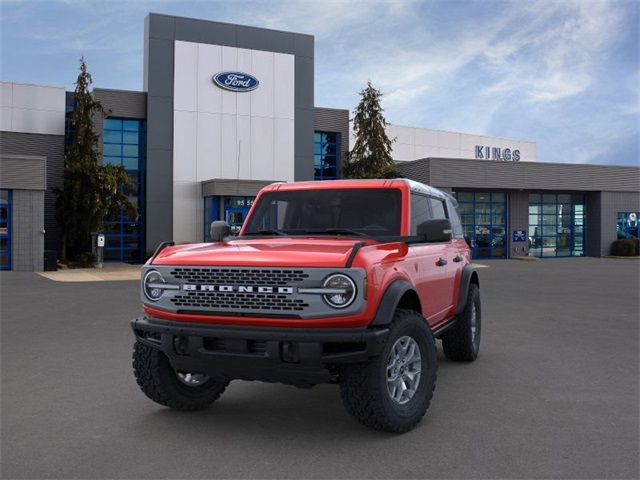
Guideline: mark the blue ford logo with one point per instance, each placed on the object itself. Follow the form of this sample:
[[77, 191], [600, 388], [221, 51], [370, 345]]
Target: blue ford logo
[[236, 81]]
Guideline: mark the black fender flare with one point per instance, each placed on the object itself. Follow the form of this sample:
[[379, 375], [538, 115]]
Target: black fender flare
[[469, 275], [389, 302]]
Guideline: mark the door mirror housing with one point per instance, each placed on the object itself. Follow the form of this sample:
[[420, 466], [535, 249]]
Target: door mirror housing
[[435, 230], [219, 230]]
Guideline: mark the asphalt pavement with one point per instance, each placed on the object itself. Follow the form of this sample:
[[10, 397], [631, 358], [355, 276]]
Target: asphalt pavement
[[553, 394]]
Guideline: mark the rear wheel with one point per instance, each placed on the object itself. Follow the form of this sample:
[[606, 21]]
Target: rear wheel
[[393, 391], [462, 342], [162, 384]]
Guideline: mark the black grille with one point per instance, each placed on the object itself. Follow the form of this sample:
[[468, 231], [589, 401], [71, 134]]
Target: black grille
[[239, 301], [236, 276]]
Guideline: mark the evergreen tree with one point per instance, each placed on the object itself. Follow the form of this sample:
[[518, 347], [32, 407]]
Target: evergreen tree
[[371, 154], [92, 191]]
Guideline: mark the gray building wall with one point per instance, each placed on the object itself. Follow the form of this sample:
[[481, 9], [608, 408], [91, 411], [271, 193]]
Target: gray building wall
[[51, 147], [26, 177], [489, 174], [161, 32], [518, 205], [334, 120]]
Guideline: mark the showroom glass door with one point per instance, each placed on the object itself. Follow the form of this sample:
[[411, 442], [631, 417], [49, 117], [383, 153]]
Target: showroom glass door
[[5, 229], [236, 210], [556, 225], [484, 220]]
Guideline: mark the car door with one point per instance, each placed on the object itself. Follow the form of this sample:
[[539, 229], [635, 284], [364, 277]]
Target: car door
[[433, 265]]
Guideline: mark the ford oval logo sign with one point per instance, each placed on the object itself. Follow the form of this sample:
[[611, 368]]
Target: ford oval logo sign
[[236, 81]]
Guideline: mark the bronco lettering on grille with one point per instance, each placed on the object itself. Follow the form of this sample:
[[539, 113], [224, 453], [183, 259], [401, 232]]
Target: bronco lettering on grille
[[237, 288]]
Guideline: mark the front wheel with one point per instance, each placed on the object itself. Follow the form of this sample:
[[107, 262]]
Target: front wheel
[[179, 390], [393, 391]]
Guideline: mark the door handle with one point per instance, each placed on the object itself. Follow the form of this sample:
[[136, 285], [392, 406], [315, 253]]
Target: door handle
[[441, 262], [457, 259]]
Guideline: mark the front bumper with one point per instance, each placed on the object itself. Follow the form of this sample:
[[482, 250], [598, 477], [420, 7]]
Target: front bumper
[[295, 356]]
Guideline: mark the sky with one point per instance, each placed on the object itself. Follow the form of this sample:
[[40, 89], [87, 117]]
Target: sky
[[565, 74]]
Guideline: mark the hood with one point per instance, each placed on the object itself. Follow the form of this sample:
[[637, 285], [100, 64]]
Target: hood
[[277, 252]]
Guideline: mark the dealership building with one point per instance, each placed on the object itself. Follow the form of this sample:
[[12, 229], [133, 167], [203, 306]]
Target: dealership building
[[227, 109]]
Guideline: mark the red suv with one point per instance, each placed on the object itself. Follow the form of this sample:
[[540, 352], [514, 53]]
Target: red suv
[[347, 282]]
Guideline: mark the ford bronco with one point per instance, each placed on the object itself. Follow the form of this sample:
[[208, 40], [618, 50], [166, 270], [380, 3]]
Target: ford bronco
[[347, 282]]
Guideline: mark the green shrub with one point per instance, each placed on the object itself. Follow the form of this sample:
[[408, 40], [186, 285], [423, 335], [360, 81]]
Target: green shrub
[[623, 248], [636, 241], [86, 259]]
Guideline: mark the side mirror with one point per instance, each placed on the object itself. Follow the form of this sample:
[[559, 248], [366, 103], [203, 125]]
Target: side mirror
[[219, 230], [436, 230]]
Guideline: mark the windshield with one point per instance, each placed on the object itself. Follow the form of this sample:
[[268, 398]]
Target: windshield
[[357, 212]]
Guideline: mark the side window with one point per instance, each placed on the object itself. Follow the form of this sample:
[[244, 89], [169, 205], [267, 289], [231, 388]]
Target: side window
[[456, 226], [420, 211], [437, 207]]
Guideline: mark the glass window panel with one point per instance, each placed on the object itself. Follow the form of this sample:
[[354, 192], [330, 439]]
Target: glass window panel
[[577, 198], [549, 220], [483, 218], [317, 160], [498, 219], [534, 209], [534, 198], [131, 125], [549, 230], [329, 149], [437, 208], [130, 151], [564, 209], [548, 198], [130, 163], [466, 219], [483, 208], [112, 136], [498, 197], [498, 208], [112, 150], [317, 149], [330, 160], [131, 138], [549, 208], [563, 198], [535, 252], [317, 137], [331, 137], [112, 124], [578, 209], [534, 219], [330, 172], [465, 208], [464, 196], [563, 252], [483, 197]]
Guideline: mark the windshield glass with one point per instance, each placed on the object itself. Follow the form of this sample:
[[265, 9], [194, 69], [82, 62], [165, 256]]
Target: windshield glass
[[358, 212]]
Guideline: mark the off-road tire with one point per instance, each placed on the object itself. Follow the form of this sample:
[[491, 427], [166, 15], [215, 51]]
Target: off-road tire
[[459, 344], [158, 380], [364, 386]]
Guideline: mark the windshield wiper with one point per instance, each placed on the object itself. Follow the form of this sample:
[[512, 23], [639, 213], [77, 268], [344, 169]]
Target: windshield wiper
[[266, 232], [337, 231]]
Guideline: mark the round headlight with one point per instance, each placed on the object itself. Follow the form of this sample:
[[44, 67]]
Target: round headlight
[[150, 285], [344, 290]]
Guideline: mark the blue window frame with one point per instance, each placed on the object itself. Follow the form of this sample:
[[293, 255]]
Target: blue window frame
[[556, 225], [5, 229], [326, 155], [484, 221], [124, 144]]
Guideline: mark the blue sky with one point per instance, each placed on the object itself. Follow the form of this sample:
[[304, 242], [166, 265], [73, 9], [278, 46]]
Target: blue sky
[[562, 73]]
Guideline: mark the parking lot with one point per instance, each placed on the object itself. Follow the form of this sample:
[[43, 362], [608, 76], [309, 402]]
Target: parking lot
[[554, 393]]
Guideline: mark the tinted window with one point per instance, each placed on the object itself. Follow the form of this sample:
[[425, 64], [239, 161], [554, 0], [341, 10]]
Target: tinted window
[[455, 220], [374, 212], [420, 211], [437, 207]]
